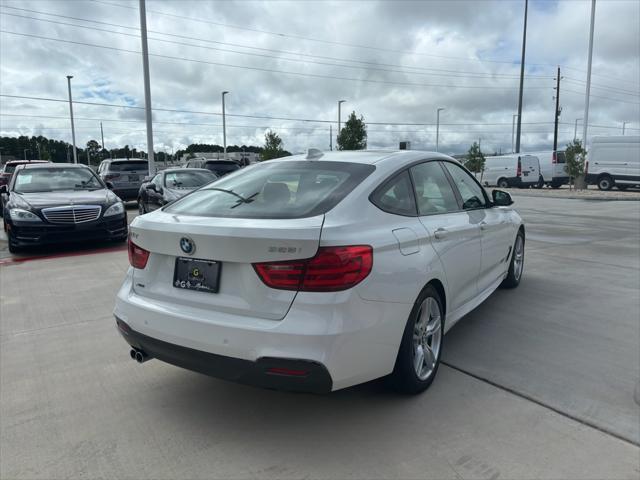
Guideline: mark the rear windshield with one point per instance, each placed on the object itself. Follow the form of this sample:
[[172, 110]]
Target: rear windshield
[[9, 168], [187, 179], [291, 189], [222, 167], [128, 166], [561, 157]]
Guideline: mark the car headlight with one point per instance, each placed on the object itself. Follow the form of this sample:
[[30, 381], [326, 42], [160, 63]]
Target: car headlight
[[20, 215], [115, 209]]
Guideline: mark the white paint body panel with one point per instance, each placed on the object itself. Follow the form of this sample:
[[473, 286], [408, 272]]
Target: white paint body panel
[[355, 333], [616, 156]]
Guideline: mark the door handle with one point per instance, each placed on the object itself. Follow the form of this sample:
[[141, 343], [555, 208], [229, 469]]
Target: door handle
[[440, 233], [483, 225]]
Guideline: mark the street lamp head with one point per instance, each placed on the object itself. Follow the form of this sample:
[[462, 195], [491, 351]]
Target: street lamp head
[[69, 77], [225, 92], [441, 108], [341, 101]]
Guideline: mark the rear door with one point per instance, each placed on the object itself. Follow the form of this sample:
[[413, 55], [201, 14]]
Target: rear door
[[128, 174], [453, 234], [530, 167]]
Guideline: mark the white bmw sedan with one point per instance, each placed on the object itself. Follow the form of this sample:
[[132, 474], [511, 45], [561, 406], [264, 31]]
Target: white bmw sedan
[[314, 273]]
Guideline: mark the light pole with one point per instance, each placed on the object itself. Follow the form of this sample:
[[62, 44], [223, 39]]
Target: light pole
[[25, 152], [624, 124], [588, 90], [438, 126], [340, 102], [524, 45], [224, 127], [575, 129], [73, 128], [513, 131]]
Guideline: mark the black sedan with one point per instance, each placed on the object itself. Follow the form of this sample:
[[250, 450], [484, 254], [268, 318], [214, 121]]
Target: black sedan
[[169, 185], [56, 203]]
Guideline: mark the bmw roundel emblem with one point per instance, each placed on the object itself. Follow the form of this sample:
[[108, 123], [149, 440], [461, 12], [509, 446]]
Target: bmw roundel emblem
[[187, 245]]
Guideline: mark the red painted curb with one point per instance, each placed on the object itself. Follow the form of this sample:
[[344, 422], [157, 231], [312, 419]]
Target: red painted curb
[[8, 261]]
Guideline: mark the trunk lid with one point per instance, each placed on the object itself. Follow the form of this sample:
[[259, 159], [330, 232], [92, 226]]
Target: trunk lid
[[236, 243]]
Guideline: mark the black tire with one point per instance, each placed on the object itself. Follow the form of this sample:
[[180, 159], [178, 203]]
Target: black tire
[[605, 183], [503, 183], [13, 248], [515, 274], [622, 187], [404, 377], [540, 183], [555, 185]]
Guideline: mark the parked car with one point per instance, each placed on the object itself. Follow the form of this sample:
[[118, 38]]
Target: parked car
[[512, 171], [552, 167], [219, 167], [60, 202], [614, 161], [169, 185], [320, 272], [8, 168], [126, 176]]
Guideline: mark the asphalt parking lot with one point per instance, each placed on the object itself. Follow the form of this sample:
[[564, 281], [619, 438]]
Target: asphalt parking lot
[[538, 382]]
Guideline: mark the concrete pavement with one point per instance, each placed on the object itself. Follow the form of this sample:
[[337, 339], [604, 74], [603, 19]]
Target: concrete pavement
[[74, 405]]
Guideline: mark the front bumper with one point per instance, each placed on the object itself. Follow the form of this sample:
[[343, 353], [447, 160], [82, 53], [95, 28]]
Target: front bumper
[[24, 235], [351, 339]]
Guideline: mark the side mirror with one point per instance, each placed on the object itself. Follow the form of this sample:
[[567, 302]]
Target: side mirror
[[109, 185], [146, 179], [3, 189], [501, 198], [150, 186]]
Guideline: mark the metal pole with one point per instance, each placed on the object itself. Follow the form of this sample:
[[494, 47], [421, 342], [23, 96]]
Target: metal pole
[[339, 118], [102, 135], [624, 124], [73, 128], [224, 127], [25, 153], [39, 155], [557, 115], [575, 129], [438, 126], [588, 92], [524, 45], [330, 137], [147, 87], [513, 131]]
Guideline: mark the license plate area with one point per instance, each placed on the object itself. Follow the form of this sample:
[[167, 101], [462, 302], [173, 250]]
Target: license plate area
[[197, 274]]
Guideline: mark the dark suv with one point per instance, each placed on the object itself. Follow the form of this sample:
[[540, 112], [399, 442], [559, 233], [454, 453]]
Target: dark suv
[[125, 175]]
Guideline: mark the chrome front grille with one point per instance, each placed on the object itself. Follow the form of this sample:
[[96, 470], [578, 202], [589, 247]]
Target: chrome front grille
[[72, 214]]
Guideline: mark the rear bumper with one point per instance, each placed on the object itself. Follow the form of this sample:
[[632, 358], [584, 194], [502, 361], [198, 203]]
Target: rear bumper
[[352, 339], [42, 234], [276, 373]]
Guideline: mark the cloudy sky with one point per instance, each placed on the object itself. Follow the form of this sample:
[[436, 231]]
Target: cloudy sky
[[287, 64]]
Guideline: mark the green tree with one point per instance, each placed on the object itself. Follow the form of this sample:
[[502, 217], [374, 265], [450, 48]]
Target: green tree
[[272, 146], [475, 160], [575, 161], [354, 134]]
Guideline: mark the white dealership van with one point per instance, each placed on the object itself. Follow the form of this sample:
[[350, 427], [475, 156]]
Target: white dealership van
[[614, 161], [552, 167], [512, 171]]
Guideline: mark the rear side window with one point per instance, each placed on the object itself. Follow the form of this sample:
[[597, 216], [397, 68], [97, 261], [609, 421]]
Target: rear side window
[[9, 168], [291, 189], [396, 196], [434, 193], [561, 158], [128, 166]]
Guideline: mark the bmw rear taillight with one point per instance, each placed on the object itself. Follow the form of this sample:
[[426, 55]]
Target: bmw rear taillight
[[137, 256], [332, 269], [519, 172]]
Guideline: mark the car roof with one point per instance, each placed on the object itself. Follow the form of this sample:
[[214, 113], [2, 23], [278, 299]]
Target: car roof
[[369, 157], [26, 162], [187, 169], [53, 165]]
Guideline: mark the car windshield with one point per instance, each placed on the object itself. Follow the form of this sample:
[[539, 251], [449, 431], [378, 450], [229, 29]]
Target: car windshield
[[222, 167], [186, 179], [34, 180], [291, 189], [128, 166]]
